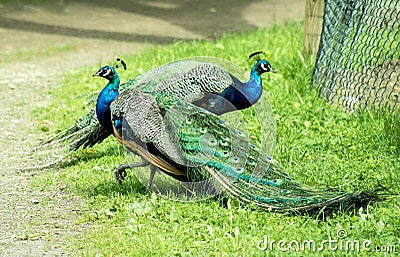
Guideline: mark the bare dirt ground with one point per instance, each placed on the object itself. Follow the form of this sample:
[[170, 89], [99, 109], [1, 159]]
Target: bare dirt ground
[[40, 41]]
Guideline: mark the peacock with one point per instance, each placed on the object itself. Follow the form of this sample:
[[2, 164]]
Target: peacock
[[195, 146], [188, 142], [201, 80]]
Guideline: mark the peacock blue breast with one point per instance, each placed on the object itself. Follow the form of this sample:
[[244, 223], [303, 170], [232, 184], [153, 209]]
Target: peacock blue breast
[[106, 96], [243, 95], [240, 95]]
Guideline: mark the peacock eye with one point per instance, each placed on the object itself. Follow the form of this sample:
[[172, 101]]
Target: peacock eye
[[235, 159], [203, 130], [251, 162], [264, 66], [225, 154], [213, 142], [106, 72], [224, 143]]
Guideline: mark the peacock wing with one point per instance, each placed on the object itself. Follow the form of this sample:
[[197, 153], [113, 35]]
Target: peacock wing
[[188, 79]]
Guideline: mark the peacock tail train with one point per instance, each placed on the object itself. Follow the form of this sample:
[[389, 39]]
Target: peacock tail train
[[200, 146]]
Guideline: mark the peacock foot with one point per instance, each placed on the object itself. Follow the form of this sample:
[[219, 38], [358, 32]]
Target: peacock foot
[[120, 170]]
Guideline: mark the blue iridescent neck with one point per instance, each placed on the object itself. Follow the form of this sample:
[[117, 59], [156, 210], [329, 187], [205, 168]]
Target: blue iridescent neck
[[104, 100], [252, 89], [238, 96], [243, 95]]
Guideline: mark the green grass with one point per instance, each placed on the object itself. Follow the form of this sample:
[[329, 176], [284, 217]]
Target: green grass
[[318, 144]]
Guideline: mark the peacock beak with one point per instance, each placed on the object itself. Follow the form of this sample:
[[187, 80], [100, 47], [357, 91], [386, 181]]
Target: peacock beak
[[97, 73], [272, 70]]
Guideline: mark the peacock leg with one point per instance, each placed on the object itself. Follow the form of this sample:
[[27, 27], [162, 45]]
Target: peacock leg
[[153, 170], [120, 170]]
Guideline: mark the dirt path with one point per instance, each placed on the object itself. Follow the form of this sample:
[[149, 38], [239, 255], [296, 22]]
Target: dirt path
[[40, 41]]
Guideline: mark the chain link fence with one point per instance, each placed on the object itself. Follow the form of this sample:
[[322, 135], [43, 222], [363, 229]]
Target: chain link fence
[[358, 62]]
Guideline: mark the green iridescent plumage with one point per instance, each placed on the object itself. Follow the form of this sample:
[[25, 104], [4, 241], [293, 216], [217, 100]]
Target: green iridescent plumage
[[191, 79], [205, 147]]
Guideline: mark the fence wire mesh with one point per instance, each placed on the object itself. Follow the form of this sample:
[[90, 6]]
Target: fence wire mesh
[[358, 62]]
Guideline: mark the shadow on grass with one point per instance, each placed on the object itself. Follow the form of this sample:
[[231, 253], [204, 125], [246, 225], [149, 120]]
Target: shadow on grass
[[111, 188], [85, 156], [10, 23], [205, 18]]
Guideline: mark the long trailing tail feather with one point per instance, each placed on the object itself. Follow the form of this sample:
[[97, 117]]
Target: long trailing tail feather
[[212, 148], [327, 199], [86, 132]]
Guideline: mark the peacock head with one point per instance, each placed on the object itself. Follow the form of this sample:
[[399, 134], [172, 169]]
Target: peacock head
[[262, 66], [107, 72]]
